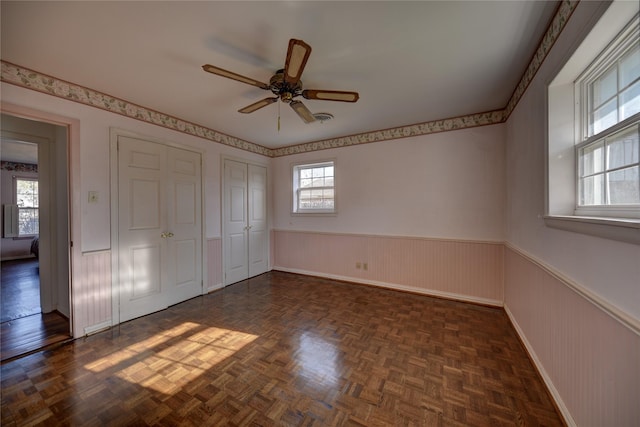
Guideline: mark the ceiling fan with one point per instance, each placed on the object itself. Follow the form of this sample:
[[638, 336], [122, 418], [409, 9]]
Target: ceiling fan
[[286, 85]]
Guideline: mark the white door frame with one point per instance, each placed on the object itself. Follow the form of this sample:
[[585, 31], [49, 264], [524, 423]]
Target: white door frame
[[114, 133], [73, 186], [265, 165]]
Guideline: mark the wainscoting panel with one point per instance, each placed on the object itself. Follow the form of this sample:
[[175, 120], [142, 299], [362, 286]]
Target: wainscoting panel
[[92, 293], [469, 271], [589, 359], [214, 264]]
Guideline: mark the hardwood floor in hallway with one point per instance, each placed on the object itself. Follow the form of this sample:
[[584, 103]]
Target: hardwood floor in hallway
[[20, 289], [288, 350], [23, 327]]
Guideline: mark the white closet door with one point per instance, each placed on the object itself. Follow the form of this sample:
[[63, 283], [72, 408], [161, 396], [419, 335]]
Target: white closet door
[[235, 221], [257, 220], [159, 227], [184, 212], [246, 247]]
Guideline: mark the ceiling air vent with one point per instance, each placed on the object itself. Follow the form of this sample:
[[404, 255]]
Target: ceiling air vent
[[323, 117]]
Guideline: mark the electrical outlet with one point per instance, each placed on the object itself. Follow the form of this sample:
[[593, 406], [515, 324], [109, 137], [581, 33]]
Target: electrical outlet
[[365, 266], [358, 265]]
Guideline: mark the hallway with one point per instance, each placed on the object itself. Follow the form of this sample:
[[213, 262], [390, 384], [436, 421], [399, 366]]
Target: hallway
[[23, 327]]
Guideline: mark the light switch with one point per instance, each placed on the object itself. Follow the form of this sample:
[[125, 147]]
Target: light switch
[[93, 197]]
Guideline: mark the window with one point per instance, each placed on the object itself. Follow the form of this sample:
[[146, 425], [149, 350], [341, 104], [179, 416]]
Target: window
[[314, 188], [593, 121], [608, 169], [26, 193]]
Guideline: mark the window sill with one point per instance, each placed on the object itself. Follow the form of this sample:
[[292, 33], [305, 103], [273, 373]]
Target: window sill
[[621, 229], [314, 213]]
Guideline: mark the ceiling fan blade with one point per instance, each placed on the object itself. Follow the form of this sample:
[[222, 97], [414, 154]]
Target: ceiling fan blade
[[331, 95], [234, 76], [257, 105], [302, 111], [297, 56]]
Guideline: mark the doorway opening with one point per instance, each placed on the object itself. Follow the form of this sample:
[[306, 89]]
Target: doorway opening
[[34, 277]]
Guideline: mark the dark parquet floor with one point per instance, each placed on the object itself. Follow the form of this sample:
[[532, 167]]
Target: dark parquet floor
[[287, 350]]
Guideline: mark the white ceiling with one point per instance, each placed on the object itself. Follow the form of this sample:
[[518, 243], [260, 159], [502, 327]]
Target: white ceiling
[[19, 152], [411, 62]]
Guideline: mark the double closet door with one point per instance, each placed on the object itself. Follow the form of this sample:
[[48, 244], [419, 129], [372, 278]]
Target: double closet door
[[245, 234], [159, 226]]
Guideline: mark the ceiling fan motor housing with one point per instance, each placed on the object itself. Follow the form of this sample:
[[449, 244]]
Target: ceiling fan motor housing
[[283, 89]]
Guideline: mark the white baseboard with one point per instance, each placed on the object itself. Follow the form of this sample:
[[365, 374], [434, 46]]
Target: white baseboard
[[555, 395], [394, 286], [214, 288], [94, 329]]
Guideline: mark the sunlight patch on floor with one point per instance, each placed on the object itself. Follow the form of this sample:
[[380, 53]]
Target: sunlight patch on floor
[[171, 359]]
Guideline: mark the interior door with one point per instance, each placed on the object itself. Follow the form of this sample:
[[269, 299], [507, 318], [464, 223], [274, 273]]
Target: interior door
[[159, 226], [246, 245], [257, 220], [184, 213], [236, 238]]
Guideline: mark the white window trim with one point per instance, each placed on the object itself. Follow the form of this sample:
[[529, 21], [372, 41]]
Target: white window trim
[[561, 188], [294, 188]]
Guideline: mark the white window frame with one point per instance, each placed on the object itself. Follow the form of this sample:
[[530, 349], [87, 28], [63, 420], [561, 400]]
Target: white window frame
[[619, 47], [565, 127], [296, 169], [20, 208]]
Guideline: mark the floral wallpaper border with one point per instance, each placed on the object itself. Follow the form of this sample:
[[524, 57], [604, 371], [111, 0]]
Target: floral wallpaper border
[[31, 79], [560, 19], [457, 123], [18, 167], [20, 76]]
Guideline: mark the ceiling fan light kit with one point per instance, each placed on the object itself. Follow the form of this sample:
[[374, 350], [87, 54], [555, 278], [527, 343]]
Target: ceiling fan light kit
[[286, 84]]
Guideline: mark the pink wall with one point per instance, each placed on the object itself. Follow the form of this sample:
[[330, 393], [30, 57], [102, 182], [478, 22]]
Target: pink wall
[[91, 293], [214, 264], [574, 298], [469, 271], [589, 358], [446, 185]]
